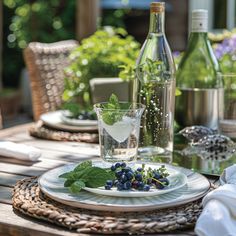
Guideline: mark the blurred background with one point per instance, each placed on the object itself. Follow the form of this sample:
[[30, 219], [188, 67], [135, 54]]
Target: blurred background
[[25, 21]]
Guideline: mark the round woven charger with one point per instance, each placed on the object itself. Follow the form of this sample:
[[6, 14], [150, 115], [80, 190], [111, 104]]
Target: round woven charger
[[39, 130], [28, 199]]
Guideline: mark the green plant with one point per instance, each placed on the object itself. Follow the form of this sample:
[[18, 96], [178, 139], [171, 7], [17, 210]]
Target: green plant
[[36, 20], [100, 55]]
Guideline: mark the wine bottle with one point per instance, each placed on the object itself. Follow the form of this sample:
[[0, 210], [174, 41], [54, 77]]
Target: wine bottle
[[197, 79], [154, 86]]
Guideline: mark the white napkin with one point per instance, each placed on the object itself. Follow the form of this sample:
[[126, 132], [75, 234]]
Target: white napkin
[[19, 151], [219, 214]]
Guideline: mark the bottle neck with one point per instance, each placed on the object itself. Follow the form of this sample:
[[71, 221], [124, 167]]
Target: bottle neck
[[157, 22], [198, 36]]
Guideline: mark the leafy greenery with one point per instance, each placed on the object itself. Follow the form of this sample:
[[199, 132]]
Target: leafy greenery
[[109, 116], [45, 21], [26, 21], [99, 55], [86, 175]]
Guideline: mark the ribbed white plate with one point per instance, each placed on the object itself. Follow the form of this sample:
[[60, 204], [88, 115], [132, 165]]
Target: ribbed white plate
[[196, 187], [54, 120]]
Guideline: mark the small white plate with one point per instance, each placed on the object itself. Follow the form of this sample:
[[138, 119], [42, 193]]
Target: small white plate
[[177, 180], [54, 120]]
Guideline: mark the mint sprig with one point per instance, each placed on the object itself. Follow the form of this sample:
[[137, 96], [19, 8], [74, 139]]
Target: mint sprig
[[86, 175], [111, 112]]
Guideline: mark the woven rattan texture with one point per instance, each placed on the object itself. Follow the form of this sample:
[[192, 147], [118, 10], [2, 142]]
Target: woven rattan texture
[[28, 199], [45, 63], [39, 130]]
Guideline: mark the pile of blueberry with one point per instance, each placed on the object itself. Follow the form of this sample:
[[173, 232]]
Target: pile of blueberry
[[87, 115], [140, 179]]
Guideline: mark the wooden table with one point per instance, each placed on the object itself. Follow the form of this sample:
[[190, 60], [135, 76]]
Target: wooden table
[[54, 154]]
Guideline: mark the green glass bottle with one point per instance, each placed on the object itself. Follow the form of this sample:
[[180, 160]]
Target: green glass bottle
[[197, 79], [154, 87]]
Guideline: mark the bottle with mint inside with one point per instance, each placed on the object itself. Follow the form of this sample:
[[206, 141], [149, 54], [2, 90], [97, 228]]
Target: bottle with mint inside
[[198, 79], [154, 86]]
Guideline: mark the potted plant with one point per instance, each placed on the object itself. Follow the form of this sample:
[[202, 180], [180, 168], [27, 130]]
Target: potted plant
[[102, 55]]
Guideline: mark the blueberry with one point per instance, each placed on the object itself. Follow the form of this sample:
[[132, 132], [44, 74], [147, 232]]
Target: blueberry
[[123, 164], [140, 185], [123, 178], [117, 165], [129, 175], [157, 175], [127, 185], [165, 181], [139, 169], [138, 177], [113, 168], [127, 169], [116, 182], [135, 184], [159, 185], [118, 173], [107, 187], [146, 187], [109, 183], [120, 186]]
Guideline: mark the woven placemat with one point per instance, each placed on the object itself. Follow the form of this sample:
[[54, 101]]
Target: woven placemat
[[40, 130], [28, 199]]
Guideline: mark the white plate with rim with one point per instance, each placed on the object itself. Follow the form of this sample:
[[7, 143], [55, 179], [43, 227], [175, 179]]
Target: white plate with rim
[[50, 184], [54, 119]]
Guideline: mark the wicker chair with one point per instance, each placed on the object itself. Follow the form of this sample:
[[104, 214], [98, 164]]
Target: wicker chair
[[45, 63]]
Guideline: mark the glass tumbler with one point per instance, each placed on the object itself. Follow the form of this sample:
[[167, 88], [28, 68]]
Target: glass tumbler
[[119, 131], [227, 122]]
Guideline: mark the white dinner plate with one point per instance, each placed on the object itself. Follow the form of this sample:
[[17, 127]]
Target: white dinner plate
[[53, 186], [54, 120]]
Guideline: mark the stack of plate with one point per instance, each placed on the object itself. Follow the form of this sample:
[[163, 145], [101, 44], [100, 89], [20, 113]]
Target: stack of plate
[[58, 120], [228, 128], [185, 186]]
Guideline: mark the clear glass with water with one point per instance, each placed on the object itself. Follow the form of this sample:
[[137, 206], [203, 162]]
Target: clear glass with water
[[119, 131]]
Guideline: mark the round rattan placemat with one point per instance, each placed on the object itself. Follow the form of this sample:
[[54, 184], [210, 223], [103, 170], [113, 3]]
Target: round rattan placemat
[[40, 130], [28, 199]]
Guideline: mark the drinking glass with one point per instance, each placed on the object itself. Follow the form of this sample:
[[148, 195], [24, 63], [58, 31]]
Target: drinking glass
[[227, 121], [119, 130]]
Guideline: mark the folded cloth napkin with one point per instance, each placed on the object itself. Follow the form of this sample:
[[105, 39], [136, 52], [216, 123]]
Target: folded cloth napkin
[[218, 217], [19, 151]]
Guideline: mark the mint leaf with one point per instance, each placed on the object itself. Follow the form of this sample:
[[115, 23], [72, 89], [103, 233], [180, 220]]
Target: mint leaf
[[82, 166], [113, 101], [112, 116], [65, 175], [77, 186], [69, 182], [96, 177], [109, 117]]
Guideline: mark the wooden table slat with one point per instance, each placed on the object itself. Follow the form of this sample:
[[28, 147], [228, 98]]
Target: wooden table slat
[[9, 180], [5, 195]]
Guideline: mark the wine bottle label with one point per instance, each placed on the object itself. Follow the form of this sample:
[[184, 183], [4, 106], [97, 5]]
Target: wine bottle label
[[199, 25]]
